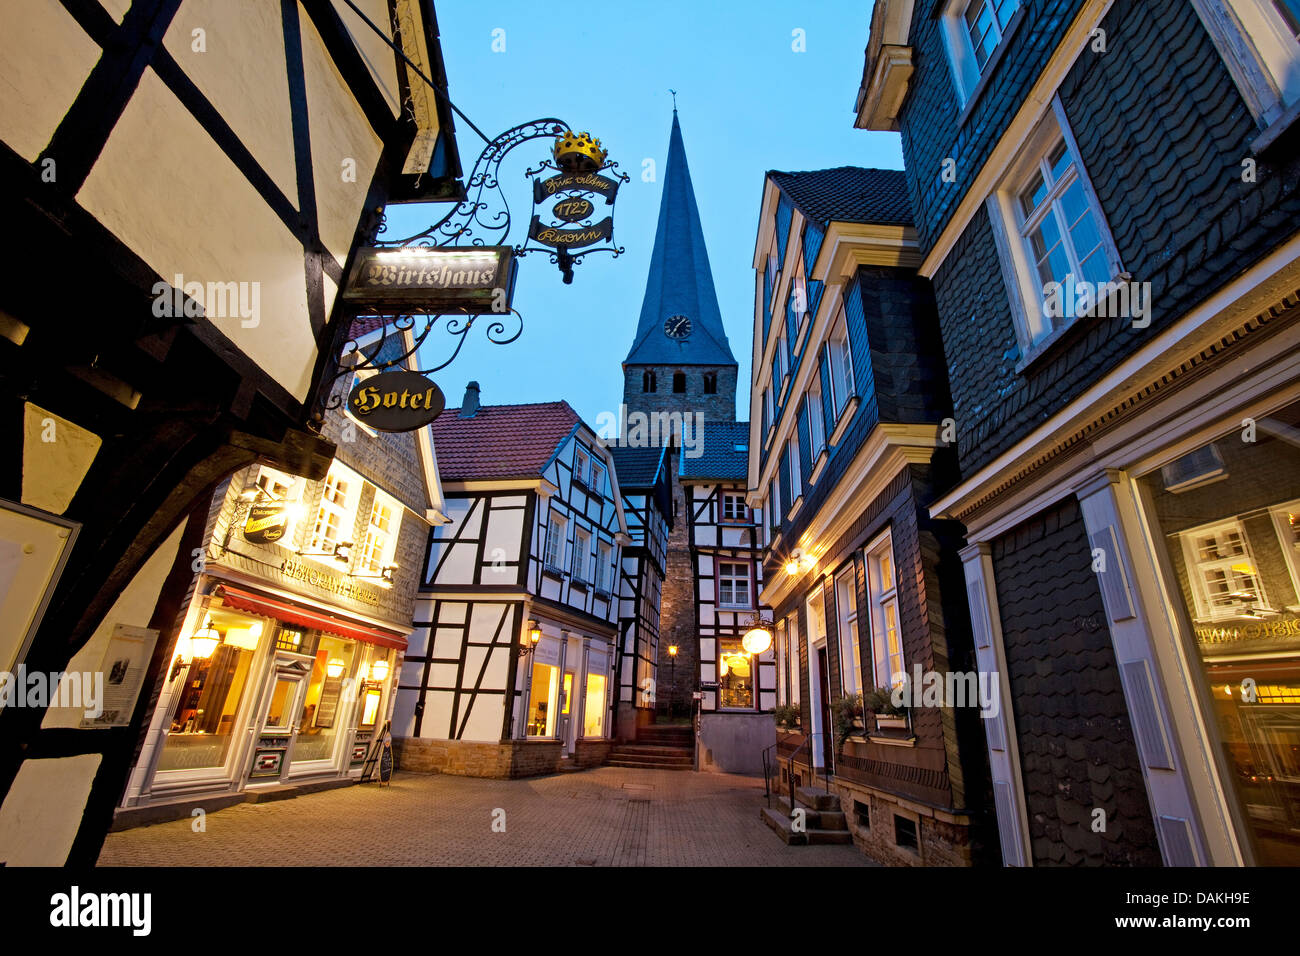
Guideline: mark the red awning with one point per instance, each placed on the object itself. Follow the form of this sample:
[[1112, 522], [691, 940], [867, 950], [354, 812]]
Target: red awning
[[255, 603]]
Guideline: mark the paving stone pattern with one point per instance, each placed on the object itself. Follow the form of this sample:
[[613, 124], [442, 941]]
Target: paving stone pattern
[[604, 817]]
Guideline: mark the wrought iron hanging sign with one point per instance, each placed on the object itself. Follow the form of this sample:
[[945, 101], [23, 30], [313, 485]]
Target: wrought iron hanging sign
[[266, 523], [461, 268]]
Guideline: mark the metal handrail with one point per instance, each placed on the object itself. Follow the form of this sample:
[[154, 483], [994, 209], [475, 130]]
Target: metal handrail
[[767, 773], [826, 769]]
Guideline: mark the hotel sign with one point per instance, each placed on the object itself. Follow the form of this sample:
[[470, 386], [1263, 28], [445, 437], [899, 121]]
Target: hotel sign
[[396, 401], [475, 280]]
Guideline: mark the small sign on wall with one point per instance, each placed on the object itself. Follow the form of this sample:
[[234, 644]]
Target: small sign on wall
[[122, 672]]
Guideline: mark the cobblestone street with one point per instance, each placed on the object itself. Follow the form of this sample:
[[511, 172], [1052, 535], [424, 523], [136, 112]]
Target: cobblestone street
[[603, 817]]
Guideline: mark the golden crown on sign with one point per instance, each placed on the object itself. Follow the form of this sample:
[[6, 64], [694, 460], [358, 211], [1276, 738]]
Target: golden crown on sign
[[578, 151]]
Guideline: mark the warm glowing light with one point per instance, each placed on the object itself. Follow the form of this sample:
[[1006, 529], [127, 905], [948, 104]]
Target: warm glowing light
[[1244, 568], [371, 709], [757, 640], [204, 641], [672, 650], [534, 633], [334, 668], [792, 567], [723, 667], [379, 670]]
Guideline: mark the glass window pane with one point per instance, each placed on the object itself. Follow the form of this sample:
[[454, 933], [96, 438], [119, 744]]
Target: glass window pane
[[542, 701], [1059, 160], [735, 675], [593, 711], [1232, 564], [323, 705], [1033, 195], [206, 708], [1096, 268]]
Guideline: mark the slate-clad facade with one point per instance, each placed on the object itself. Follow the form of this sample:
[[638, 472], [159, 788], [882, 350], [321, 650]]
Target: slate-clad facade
[[847, 450], [1148, 149]]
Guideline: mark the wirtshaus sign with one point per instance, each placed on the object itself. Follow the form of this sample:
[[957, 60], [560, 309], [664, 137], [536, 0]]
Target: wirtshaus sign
[[396, 401], [471, 281]]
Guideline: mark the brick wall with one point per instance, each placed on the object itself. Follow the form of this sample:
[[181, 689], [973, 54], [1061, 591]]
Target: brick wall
[[1076, 744], [518, 758], [719, 407], [677, 610]]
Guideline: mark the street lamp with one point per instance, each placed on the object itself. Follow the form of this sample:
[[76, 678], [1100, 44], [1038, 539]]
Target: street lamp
[[758, 635], [672, 680], [532, 637]]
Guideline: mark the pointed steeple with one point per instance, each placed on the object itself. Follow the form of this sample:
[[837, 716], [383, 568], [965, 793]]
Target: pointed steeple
[[680, 281]]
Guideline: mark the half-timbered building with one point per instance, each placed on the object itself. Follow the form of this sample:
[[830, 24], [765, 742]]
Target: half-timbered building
[[510, 669], [646, 485], [726, 548], [190, 179], [846, 450]]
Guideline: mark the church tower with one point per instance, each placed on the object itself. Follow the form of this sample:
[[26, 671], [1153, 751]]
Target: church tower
[[680, 360]]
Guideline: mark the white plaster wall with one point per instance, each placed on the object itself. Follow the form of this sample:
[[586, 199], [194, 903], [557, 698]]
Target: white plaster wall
[[43, 808], [253, 97], [339, 132], [505, 531], [159, 184], [486, 717], [44, 60]]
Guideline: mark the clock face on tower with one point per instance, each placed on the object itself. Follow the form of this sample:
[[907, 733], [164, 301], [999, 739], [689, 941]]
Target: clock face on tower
[[677, 327]]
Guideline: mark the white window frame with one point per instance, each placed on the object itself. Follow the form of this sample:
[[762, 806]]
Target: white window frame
[[782, 366], [597, 483], [581, 464], [581, 555], [816, 417], [320, 546], [777, 515], [846, 585], [782, 662], [1025, 292], [796, 469], [966, 68], [733, 580], [1290, 547], [739, 512], [372, 560], [1206, 609], [839, 360], [604, 566], [882, 596], [1260, 52], [557, 527], [792, 632]]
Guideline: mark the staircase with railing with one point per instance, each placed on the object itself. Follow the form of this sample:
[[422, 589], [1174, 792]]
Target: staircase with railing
[[821, 820]]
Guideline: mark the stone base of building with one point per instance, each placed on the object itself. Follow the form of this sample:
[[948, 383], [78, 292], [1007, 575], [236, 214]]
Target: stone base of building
[[942, 838], [465, 758], [734, 743], [628, 719], [591, 753]]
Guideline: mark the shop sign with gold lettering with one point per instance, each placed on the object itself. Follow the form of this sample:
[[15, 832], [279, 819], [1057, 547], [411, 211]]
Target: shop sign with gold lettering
[[266, 523], [396, 401], [571, 238], [472, 280]]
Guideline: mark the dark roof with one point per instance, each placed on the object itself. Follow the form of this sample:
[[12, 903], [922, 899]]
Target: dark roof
[[719, 458], [636, 467], [500, 441], [680, 281], [848, 194]]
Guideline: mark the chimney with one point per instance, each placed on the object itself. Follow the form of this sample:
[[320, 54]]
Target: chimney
[[469, 404]]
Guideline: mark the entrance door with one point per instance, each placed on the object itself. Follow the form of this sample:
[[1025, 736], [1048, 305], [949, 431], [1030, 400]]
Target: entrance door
[[568, 711], [824, 745], [279, 727], [817, 685]]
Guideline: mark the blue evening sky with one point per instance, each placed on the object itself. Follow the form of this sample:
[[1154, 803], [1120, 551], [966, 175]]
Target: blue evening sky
[[747, 103]]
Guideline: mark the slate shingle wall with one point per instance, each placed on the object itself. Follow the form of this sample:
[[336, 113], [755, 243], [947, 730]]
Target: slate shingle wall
[[1076, 745], [1162, 131]]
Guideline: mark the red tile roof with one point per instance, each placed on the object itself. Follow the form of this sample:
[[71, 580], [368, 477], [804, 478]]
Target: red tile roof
[[500, 441]]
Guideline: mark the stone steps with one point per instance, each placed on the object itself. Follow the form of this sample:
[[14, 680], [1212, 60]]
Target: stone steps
[[823, 820]]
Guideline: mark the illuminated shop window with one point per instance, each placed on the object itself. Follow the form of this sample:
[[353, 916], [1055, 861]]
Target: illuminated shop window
[[735, 675], [1228, 550]]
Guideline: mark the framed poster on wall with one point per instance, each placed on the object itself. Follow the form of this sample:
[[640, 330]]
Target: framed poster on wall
[[34, 547]]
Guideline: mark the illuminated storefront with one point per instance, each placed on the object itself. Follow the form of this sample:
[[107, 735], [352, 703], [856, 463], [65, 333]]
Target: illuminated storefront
[[567, 682]]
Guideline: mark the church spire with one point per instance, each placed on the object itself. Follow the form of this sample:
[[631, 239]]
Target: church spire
[[680, 321]]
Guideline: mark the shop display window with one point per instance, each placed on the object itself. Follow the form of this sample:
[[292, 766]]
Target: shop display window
[[324, 706], [542, 702], [735, 675], [1226, 517], [208, 704], [593, 711]]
